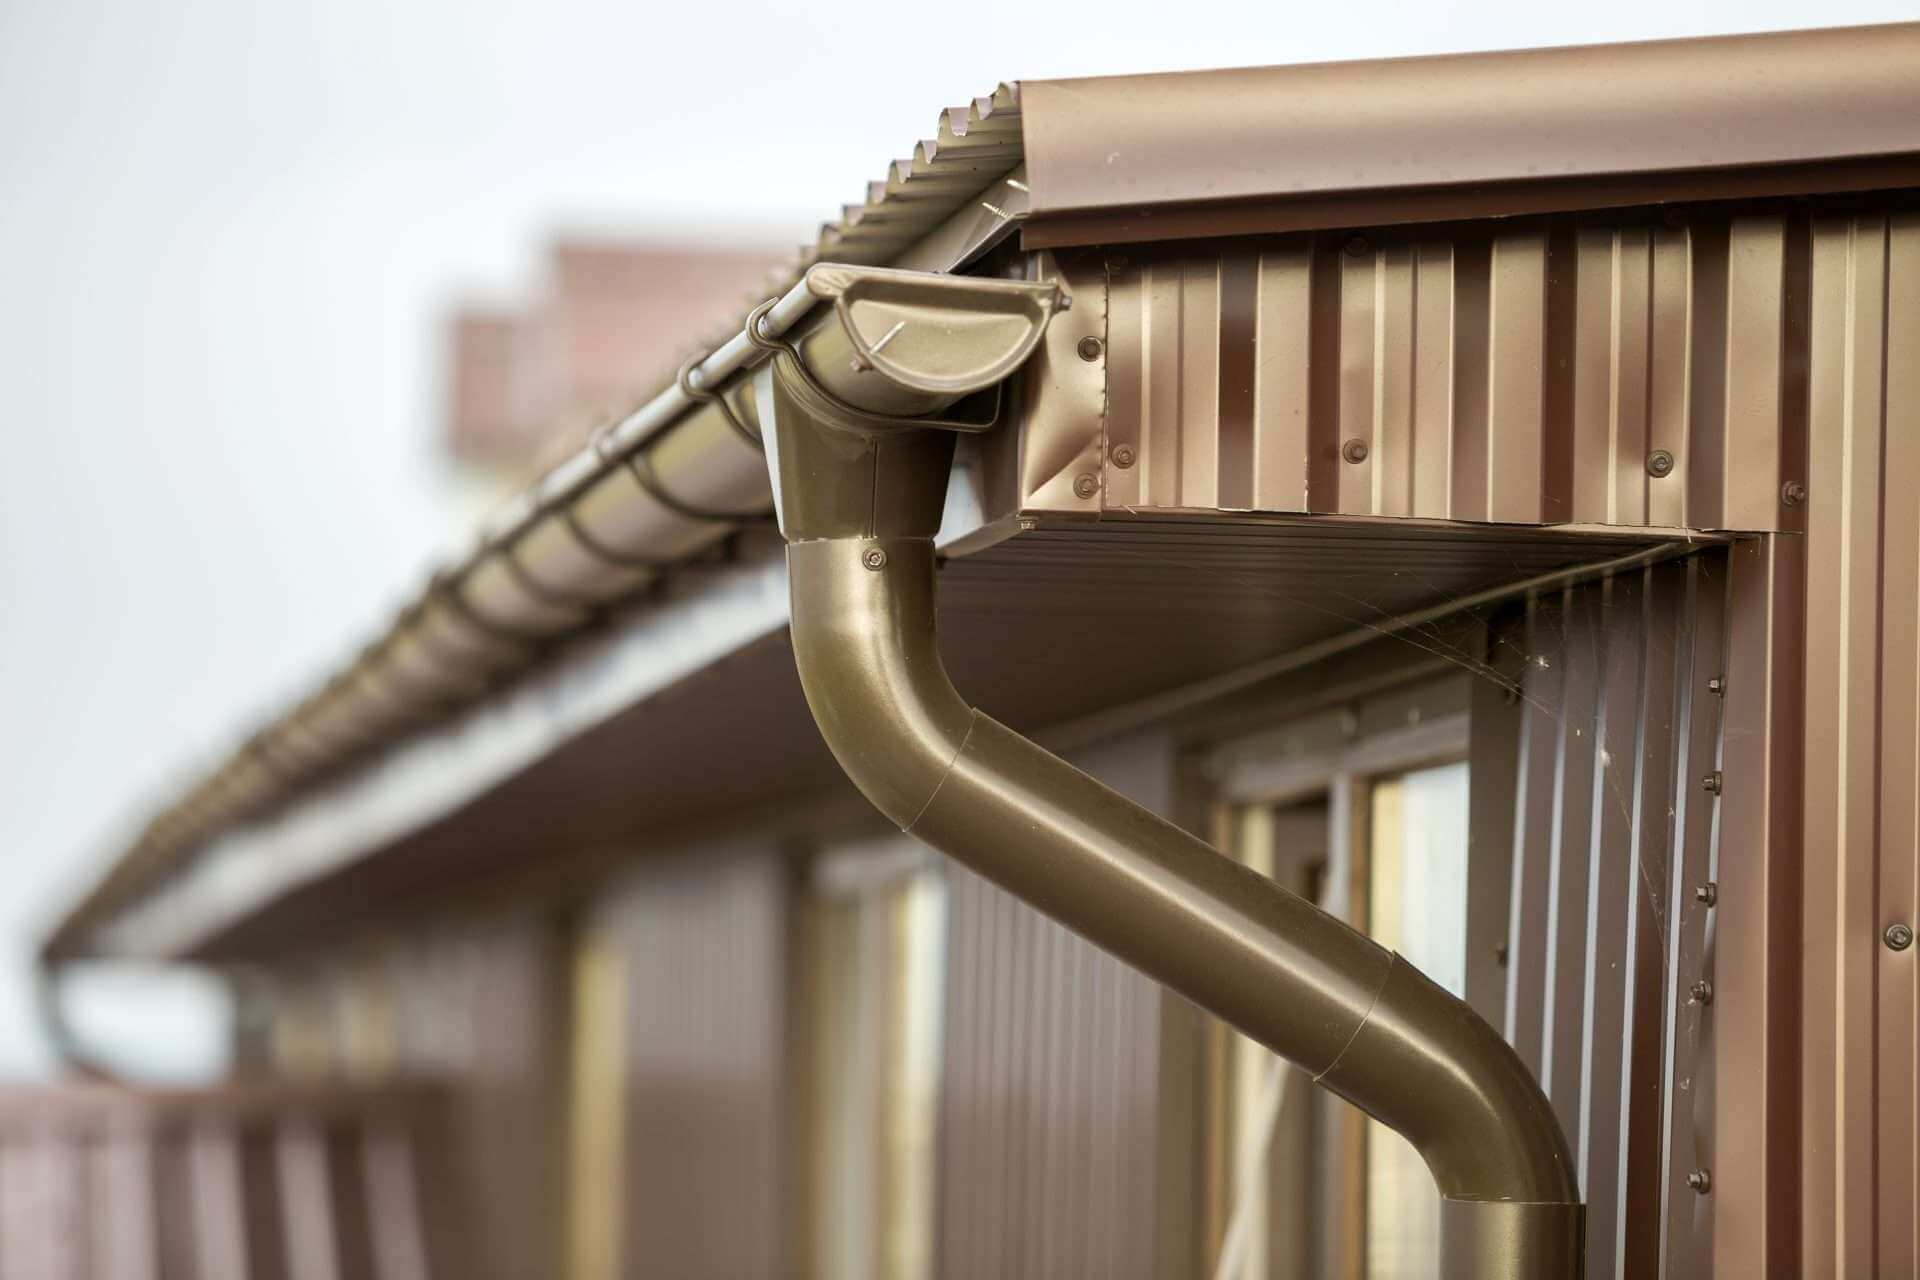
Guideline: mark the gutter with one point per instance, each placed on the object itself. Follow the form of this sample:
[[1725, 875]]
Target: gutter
[[663, 489], [859, 486]]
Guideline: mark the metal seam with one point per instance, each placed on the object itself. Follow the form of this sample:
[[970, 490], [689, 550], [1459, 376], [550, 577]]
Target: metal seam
[[973, 720], [1372, 1004]]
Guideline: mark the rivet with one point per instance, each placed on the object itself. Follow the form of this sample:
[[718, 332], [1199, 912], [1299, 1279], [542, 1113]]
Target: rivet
[[874, 558], [1659, 463], [1123, 456], [1793, 493], [1085, 485], [1354, 450], [1717, 684], [1898, 937], [1356, 246], [1701, 991], [1090, 348], [1708, 893], [1700, 1180], [1712, 783]]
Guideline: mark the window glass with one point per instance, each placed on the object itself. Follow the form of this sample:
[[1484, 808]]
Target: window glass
[[1417, 900]]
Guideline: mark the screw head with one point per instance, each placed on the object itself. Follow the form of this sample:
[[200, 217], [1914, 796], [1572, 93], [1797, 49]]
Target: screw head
[[1717, 684], [1898, 937], [1659, 463], [1793, 493], [1090, 348], [1701, 1181], [1123, 456], [1701, 991], [1354, 450], [1711, 783], [1085, 485], [1356, 246], [874, 558], [1708, 893]]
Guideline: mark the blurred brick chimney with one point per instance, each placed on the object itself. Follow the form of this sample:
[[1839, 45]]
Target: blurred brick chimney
[[612, 323]]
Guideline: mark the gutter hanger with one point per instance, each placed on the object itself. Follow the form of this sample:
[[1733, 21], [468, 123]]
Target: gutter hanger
[[859, 486]]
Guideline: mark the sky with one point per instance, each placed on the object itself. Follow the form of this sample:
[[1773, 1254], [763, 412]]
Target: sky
[[231, 230]]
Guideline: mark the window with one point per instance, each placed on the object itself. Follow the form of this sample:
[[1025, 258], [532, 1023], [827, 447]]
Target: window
[[1364, 809], [1417, 905]]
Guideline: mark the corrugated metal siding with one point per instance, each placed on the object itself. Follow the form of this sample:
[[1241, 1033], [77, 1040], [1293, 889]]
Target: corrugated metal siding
[[1612, 833], [1049, 1101], [247, 1184], [1861, 1117], [1523, 373], [705, 947], [474, 1005]]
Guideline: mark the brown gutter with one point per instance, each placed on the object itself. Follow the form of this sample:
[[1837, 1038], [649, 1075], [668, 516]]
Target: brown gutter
[[860, 499]]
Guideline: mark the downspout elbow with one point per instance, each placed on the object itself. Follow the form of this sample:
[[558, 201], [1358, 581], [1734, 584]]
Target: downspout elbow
[[1363, 1021], [872, 676]]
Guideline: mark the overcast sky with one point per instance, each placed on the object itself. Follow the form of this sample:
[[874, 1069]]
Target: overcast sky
[[229, 230]]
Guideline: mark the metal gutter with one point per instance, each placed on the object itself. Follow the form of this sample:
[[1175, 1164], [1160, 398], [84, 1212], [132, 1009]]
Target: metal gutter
[[860, 495], [1364, 143], [664, 487]]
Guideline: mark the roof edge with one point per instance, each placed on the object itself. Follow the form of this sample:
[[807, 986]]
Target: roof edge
[[1466, 135]]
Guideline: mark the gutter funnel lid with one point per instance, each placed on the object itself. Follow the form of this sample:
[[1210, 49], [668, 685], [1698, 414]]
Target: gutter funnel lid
[[943, 335]]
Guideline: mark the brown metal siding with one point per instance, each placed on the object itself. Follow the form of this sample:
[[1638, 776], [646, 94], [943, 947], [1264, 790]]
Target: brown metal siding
[[1611, 835], [1049, 1110], [1862, 755], [704, 944], [1523, 373], [476, 1005], [1048, 1104], [100, 1183]]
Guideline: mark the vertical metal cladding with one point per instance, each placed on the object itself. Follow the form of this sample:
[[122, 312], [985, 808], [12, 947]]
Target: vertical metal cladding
[[101, 1183], [1612, 845], [1048, 1122], [477, 1007], [1861, 751], [1623, 372], [705, 959]]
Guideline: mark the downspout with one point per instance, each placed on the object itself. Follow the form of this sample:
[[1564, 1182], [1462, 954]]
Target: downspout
[[860, 491]]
